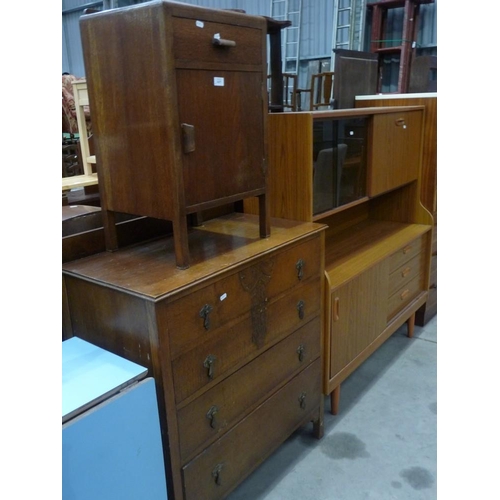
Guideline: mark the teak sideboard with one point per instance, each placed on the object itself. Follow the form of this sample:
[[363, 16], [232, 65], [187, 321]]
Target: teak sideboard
[[178, 98], [359, 172], [234, 342]]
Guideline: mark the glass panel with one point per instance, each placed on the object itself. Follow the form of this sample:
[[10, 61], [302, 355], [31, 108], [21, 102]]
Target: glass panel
[[339, 159]]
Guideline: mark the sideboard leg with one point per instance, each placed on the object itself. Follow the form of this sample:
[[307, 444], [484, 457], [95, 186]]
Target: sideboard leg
[[411, 325], [318, 427], [335, 400]]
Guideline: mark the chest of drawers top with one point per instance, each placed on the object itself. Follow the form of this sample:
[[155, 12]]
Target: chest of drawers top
[[219, 246]]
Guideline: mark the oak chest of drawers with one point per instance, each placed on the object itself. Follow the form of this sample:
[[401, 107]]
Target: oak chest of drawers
[[234, 342], [178, 98]]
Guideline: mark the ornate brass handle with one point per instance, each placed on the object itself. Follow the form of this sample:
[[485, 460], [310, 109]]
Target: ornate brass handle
[[211, 415], [300, 268], [302, 400], [205, 314], [216, 473], [300, 309], [300, 351], [209, 364]]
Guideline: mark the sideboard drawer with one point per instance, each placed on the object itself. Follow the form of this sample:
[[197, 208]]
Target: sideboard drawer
[[405, 273], [404, 295], [194, 41], [223, 349], [217, 410], [397, 259], [215, 471]]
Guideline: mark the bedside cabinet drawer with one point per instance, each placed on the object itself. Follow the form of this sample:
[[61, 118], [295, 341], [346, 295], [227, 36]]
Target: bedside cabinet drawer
[[404, 274], [224, 349], [404, 295], [217, 470], [403, 255], [196, 40], [219, 409]]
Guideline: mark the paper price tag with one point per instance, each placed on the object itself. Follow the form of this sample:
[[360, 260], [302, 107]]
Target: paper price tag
[[218, 81], [200, 24]]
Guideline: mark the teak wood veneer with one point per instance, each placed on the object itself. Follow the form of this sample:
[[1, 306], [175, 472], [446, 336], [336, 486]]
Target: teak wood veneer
[[377, 246]]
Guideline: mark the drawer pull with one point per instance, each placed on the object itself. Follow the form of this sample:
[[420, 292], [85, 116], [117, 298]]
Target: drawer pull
[[221, 42], [300, 351], [205, 314], [302, 400], [209, 364], [188, 145], [300, 269], [211, 415], [405, 272], [216, 473], [400, 122], [300, 309], [407, 249], [405, 294]]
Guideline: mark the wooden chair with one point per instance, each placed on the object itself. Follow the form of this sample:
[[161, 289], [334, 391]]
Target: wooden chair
[[289, 93], [320, 91]]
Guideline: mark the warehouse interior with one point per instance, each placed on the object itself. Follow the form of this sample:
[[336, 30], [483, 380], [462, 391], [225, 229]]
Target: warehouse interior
[[373, 431]]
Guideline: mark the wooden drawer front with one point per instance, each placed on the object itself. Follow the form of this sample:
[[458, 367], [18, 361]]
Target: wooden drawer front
[[403, 255], [404, 274], [218, 469], [404, 295], [236, 294], [193, 42], [218, 409], [394, 150], [209, 361]]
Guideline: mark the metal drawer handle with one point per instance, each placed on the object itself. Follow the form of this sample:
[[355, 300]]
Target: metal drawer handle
[[211, 415], [300, 269], [300, 309], [209, 364], [216, 473], [221, 42], [302, 400], [205, 314], [300, 351]]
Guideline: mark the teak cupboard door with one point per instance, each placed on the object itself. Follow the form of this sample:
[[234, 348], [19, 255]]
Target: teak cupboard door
[[359, 314], [396, 140], [227, 154]]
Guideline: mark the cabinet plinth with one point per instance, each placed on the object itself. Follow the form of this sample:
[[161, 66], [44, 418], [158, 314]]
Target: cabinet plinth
[[179, 113], [233, 342]]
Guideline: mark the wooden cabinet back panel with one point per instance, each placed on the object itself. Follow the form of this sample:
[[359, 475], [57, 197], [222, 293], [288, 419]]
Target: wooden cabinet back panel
[[396, 140], [241, 341], [193, 42], [239, 451], [235, 395]]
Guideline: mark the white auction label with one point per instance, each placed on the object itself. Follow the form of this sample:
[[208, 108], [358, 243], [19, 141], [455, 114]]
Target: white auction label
[[200, 24], [219, 81]]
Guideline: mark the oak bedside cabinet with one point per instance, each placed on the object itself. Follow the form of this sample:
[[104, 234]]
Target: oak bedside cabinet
[[178, 97]]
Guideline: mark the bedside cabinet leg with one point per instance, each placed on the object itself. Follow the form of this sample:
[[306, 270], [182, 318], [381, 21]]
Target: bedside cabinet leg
[[181, 246], [264, 216], [411, 325], [335, 400]]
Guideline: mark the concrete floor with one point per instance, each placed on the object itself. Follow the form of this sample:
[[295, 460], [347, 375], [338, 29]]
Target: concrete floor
[[381, 445]]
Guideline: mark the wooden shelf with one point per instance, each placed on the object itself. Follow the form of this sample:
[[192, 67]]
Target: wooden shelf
[[363, 245], [79, 181]]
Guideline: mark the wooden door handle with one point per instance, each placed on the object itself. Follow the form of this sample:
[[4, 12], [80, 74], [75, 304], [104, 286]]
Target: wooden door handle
[[221, 42], [188, 144], [336, 304]]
